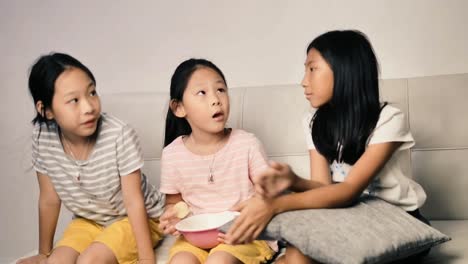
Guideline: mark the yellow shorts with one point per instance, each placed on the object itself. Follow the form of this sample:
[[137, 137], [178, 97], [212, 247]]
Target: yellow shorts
[[253, 253], [118, 236]]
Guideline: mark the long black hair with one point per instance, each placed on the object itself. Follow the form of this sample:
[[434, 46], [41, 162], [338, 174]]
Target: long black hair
[[43, 75], [176, 126], [341, 127]]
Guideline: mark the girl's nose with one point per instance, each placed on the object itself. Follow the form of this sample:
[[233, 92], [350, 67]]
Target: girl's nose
[[88, 106], [216, 101], [304, 82]]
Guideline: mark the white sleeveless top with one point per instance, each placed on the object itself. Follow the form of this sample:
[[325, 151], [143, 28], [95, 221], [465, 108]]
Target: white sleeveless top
[[392, 183]]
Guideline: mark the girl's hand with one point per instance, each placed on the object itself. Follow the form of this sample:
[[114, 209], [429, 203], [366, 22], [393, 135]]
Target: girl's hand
[[274, 180], [37, 259], [168, 220], [256, 213]]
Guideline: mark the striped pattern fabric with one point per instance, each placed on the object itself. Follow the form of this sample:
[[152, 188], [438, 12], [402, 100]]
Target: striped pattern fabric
[[234, 167], [91, 188]]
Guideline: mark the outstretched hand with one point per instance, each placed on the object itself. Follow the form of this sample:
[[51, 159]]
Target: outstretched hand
[[274, 180], [256, 213]]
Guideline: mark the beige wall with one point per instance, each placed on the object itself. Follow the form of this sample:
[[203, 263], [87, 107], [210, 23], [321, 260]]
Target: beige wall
[[135, 46]]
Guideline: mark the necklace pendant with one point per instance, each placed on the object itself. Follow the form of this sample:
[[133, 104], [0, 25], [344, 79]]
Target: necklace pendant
[[211, 178]]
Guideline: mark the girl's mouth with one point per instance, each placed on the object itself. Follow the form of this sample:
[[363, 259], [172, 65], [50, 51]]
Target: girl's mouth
[[218, 116]]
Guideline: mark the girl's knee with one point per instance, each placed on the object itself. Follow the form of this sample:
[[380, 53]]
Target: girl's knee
[[90, 258], [97, 253], [222, 257], [63, 255], [184, 258], [294, 255], [58, 260]]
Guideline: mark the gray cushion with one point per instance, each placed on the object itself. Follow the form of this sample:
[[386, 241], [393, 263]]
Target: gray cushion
[[372, 231]]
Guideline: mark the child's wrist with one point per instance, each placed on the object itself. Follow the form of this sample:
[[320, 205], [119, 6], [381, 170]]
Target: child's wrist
[[42, 253], [274, 206]]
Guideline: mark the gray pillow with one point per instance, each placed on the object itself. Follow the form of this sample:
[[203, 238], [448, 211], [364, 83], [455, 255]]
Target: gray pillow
[[372, 231]]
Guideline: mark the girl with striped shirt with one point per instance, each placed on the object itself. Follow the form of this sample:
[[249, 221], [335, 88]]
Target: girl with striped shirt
[[89, 161], [206, 165]]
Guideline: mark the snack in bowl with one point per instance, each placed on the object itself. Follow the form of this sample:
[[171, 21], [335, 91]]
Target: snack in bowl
[[202, 230]]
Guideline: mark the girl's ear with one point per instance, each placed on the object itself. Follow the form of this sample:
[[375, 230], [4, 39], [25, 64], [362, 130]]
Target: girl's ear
[[177, 108], [47, 113]]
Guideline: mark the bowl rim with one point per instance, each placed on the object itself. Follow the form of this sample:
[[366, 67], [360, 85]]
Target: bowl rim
[[230, 215]]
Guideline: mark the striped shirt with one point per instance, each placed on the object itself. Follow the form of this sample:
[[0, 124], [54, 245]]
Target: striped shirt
[[233, 166], [91, 188]]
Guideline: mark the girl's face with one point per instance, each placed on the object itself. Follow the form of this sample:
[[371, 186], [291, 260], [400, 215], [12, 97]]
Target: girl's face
[[318, 79], [75, 106], [205, 103]]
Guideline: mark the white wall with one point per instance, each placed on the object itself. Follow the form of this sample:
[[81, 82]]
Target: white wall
[[136, 45]]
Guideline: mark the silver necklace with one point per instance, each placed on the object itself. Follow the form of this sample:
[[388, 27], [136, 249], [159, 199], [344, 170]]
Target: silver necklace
[[75, 158], [211, 179]]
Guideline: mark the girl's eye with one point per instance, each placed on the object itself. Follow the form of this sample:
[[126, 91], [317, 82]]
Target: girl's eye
[[222, 90], [73, 101], [93, 93], [312, 69], [201, 93]]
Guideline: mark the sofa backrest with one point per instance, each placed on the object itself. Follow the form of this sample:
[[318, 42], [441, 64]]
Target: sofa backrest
[[434, 107]]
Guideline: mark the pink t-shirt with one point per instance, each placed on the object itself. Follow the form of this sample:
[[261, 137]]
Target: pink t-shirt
[[234, 166]]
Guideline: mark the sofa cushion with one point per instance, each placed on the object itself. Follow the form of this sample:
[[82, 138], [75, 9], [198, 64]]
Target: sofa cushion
[[372, 231]]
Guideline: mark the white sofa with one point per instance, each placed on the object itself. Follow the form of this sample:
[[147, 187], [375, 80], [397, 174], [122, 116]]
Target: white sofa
[[436, 113]]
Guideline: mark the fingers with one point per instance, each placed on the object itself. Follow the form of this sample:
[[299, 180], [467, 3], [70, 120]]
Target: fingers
[[242, 231], [235, 230], [170, 230], [244, 235], [259, 190], [168, 220], [34, 259], [276, 165], [222, 238], [168, 214], [248, 236]]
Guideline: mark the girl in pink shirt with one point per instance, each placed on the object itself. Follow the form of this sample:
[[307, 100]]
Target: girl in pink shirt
[[205, 164]]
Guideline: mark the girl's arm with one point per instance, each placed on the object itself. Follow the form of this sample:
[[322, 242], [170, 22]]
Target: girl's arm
[[279, 177], [256, 214], [136, 211], [172, 199], [343, 193], [319, 173], [49, 209]]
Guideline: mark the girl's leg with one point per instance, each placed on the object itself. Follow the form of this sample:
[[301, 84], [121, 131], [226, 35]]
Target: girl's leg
[[117, 244], [294, 255], [256, 252], [281, 260], [184, 258], [222, 257], [97, 253], [78, 235], [65, 255], [183, 252]]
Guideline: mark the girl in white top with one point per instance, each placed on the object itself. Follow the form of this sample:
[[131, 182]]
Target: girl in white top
[[355, 142]]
